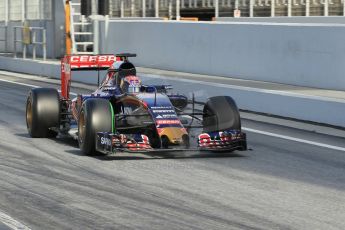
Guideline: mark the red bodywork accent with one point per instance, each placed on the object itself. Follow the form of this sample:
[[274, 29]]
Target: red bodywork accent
[[82, 62]]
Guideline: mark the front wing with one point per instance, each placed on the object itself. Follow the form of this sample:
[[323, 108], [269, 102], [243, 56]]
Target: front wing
[[228, 140]]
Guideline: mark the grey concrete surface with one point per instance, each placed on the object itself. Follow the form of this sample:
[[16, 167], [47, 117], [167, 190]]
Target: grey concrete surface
[[308, 55], [4, 227], [279, 184]]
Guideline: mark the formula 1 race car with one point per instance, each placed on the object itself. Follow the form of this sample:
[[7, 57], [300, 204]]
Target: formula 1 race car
[[125, 115]]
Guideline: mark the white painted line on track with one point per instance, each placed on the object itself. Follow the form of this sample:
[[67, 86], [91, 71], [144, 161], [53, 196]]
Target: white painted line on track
[[29, 85], [244, 128], [294, 139], [12, 223], [19, 83]]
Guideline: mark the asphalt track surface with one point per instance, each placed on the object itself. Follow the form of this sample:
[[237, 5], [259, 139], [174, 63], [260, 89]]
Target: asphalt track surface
[[278, 184]]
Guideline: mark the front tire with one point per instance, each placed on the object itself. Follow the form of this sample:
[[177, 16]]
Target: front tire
[[95, 116], [221, 113], [42, 112]]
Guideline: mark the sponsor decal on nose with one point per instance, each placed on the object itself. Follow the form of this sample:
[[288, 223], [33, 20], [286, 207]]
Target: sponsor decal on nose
[[167, 122]]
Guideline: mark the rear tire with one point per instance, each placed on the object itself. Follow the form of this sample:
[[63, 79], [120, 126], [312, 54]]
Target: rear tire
[[42, 112], [95, 116], [221, 113]]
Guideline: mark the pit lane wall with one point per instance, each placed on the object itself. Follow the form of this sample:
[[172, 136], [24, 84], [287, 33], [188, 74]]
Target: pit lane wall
[[311, 55], [294, 19], [50, 69], [292, 105]]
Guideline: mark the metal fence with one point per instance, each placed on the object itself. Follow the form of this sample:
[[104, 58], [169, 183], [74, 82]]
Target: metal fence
[[30, 40], [3, 37], [226, 8], [21, 10]]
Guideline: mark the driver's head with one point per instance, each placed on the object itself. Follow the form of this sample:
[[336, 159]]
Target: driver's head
[[130, 84]]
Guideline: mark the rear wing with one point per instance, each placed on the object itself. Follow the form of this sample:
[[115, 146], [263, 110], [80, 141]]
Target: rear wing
[[71, 63]]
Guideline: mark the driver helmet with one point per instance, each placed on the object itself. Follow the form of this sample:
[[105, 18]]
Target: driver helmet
[[130, 84]]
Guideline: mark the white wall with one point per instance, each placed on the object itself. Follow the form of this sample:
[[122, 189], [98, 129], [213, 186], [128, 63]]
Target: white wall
[[294, 19], [29, 66], [297, 54]]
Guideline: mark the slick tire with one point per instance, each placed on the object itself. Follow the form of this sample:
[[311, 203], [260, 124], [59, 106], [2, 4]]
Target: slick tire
[[42, 112], [221, 113], [94, 116]]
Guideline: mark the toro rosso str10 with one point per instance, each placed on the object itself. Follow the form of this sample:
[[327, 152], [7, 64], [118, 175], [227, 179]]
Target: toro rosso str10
[[123, 114]]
